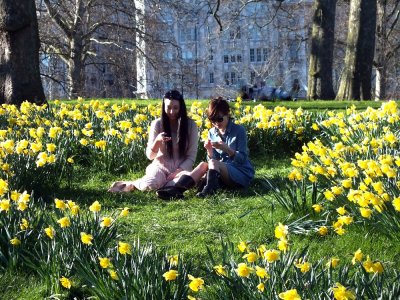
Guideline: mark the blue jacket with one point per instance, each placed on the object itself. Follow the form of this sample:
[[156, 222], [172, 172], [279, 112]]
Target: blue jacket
[[239, 167]]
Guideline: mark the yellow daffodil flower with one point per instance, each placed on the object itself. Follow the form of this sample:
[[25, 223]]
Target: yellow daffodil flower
[[170, 275]]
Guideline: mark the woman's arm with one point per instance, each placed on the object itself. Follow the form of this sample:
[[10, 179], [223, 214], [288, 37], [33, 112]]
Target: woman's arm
[[154, 143], [239, 154]]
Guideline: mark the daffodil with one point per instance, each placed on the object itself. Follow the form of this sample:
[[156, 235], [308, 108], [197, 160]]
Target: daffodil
[[195, 284], [283, 245], [50, 232], [220, 270], [170, 275], [173, 260], [261, 287], [243, 270], [333, 262], [317, 208], [64, 222], [271, 255], [290, 295], [113, 274], [95, 207], [323, 230], [105, 262], [65, 282], [124, 248], [281, 231], [4, 205], [261, 272], [107, 221], [15, 242], [303, 266], [358, 255], [86, 238], [60, 204], [124, 212], [251, 257], [24, 224], [242, 246], [341, 293]]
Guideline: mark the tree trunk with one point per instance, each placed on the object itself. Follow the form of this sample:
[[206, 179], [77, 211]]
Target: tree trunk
[[355, 83], [366, 46], [348, 88], [19, 53], [321, 57], [380, 82], [381, 47], [76, 64]]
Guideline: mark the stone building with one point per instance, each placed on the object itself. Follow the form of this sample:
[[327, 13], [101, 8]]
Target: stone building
[[258, 47]]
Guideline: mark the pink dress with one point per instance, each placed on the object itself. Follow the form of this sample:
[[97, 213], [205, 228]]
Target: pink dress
[[162, 165]]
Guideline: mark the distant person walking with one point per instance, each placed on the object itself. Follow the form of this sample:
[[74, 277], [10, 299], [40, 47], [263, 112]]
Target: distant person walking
[[294, 92]]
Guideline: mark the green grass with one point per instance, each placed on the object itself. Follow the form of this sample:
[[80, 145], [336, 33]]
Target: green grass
[[188, 226], [19, 286]]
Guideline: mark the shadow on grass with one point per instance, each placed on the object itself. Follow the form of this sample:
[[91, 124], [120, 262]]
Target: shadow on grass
[[87, 186]]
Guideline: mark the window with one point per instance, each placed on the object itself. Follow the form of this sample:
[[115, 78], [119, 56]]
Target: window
[[239, 58], [187, 55], [265, 54], [252, 55], [233, 78], [211, 56], [226, 76], [211, 77], [233, 58], [226, 59], [168, 55], [258, 54], [187, 34]]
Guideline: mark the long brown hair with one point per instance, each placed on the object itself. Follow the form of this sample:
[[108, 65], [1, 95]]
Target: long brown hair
[[183, 131]]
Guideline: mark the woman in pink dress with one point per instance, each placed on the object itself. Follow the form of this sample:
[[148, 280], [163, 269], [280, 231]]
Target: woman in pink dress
[[172, 147]]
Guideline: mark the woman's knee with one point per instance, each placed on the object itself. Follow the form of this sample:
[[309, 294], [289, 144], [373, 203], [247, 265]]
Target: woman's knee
[[203, 166], [216, 165]]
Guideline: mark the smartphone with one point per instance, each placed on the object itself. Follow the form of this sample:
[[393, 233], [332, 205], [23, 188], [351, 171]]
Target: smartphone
[[215, 138]]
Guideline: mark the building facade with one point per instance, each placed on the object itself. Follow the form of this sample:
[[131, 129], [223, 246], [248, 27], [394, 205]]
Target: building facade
[[259, 45]]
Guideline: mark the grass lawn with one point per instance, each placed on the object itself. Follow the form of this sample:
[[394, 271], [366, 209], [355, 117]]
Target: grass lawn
[[188, 226], [191, 225]]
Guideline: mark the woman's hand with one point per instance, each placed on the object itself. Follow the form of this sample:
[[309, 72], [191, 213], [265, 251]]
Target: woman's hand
[[209, 148], [220, 146], [174, 174], [223, 147], [162, 137]]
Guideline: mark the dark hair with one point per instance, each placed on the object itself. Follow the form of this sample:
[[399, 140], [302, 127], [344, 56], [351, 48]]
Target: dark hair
[[183, 131], [217, 106]]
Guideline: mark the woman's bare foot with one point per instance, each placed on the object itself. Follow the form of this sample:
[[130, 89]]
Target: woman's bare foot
[[129, 186], [121, 186]]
